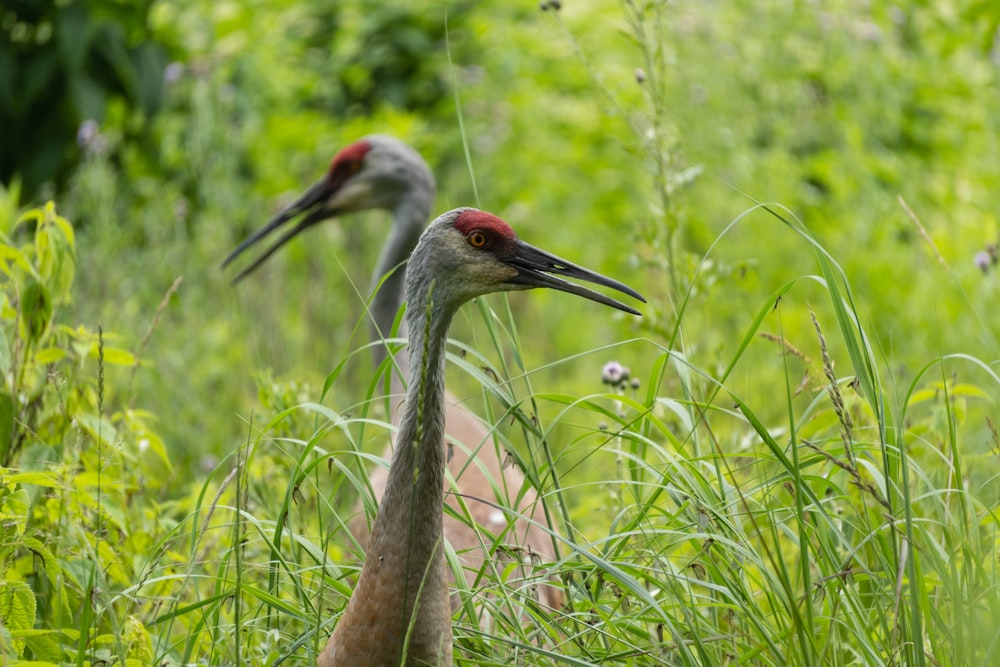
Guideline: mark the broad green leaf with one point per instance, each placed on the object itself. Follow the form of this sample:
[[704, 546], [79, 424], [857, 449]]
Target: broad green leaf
[[17, 608], [36, 309], [33, 478], [14, 512], [115, 356], [49, 562], [98, 427], [49, 355]]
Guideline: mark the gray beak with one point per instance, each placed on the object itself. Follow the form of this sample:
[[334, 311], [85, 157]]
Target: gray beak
[[537, 268], [311, 202]]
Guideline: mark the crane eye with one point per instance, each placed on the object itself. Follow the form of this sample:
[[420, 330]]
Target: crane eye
[[478, 239], [353, 166]]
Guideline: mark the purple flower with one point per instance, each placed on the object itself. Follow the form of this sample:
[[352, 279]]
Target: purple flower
[[983, 261], [612, 373], [173, 72], [88, 130]]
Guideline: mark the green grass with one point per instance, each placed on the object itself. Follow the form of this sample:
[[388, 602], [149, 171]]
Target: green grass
[[805, 474]]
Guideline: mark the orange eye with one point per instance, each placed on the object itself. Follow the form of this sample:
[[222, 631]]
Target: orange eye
[[354, 166], [478, 239]]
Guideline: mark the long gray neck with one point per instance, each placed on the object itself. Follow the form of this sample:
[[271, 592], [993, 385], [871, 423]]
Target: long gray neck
[[419, 458], [409, 219]]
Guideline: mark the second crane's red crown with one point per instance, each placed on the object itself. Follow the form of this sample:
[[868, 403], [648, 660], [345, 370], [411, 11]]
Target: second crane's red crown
[[347, 160]]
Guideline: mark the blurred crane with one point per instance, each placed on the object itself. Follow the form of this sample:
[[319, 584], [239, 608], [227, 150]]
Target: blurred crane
[[380, 172]]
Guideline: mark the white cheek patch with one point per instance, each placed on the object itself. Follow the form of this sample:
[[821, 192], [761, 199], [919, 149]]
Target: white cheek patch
[[353, 194]]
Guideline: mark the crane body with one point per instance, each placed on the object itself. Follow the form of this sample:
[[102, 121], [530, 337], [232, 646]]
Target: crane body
[[400, 604]]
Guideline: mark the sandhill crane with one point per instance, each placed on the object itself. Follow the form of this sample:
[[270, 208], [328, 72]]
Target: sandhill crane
[[380, 172], [399, 612]]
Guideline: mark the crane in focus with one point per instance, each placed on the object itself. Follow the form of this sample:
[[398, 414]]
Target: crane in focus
[[399, 612]]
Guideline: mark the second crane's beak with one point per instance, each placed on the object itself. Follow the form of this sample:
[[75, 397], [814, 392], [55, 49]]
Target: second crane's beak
[[537, 268], [317, 205]]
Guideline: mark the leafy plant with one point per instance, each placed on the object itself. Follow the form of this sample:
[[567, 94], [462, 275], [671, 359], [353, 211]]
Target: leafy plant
[[71, 474], [64, 63]]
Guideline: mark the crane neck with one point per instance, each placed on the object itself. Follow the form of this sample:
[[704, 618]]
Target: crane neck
[[409, 218], [407, 534], [402, 593], [419, 447]]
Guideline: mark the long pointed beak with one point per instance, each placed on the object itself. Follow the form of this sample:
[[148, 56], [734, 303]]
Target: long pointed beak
[[312, 202], [537, 268]]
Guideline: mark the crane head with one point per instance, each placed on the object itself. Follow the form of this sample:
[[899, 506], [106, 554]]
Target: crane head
[[376, 172], [469, 253]]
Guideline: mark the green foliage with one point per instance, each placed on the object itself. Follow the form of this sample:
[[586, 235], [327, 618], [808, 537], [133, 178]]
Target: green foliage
[[385, 55], [72, 475], [805, 473], [39, 278], [63, 63]]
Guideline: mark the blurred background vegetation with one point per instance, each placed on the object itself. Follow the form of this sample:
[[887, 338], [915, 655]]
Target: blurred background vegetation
[[189, 123], [166, 131]]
